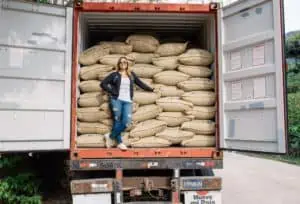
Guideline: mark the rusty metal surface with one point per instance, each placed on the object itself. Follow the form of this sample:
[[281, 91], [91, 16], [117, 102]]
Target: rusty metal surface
[[118, 186], [112, 164], [200, 183], [146, 183], [135, 153], [91, 186]]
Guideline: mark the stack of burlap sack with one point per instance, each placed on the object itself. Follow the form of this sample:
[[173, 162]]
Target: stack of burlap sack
[[181, 113]]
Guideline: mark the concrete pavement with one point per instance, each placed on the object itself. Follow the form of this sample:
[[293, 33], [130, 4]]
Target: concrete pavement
[[250, 180]]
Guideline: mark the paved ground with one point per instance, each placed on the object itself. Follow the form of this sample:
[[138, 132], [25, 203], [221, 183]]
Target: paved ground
[[250, 180]]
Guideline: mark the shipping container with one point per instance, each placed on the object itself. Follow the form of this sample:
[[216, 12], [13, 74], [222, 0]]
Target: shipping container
[[40, 44]]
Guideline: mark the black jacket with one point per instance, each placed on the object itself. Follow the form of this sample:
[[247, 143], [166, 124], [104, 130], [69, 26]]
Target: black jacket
[[112, 83]]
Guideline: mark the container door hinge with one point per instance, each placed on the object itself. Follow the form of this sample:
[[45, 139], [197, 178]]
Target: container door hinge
[[78, 3], [217, 155]]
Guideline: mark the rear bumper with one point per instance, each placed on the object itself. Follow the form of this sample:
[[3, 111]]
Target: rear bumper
[[182, 184], [147, 163], [134, 153]]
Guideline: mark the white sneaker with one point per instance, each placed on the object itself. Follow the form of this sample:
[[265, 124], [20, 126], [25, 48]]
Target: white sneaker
[[121, 146], [107, 140]]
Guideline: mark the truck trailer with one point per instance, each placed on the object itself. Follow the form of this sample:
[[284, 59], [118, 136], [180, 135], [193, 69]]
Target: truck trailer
[[39, 49]]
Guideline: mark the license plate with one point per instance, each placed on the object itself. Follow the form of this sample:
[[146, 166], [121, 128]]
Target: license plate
[[202, 197]]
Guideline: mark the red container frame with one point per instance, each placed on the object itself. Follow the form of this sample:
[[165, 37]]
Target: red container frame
[[171, 152]]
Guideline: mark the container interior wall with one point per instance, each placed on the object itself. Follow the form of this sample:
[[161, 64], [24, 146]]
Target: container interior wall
[[198, 29]]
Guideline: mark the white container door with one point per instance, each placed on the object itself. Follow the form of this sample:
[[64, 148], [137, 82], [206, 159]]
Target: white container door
[[35, 76], [252, 78]]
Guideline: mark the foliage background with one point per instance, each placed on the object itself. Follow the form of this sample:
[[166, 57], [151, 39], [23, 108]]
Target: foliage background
[[293, 87]]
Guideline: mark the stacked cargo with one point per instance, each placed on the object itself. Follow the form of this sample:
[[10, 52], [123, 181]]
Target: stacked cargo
[[180, 113]]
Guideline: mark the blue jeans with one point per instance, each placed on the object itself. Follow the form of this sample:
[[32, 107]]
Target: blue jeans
[[122, 114]]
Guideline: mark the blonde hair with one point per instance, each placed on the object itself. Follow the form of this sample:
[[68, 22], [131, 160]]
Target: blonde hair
[[128, 70]]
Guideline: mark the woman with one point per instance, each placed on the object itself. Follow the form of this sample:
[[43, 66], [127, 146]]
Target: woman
[[119, 86]]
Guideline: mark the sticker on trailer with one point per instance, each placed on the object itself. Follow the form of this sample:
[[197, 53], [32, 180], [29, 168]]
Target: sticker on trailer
[[97, 187], [202, 197], [192, 184]]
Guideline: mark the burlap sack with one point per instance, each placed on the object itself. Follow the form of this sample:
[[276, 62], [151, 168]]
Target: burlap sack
[[171, 49], [146, 112], [148, 128], [149, 82], [200, 141], [117, 47], [168, 91], [197, 84], [91, 72], [93, 55], [90, 140], [92, 128], [168, 63], [175, 135], [151, 142], [174, 119], [170, 78], [92, 99], [105, 97], [143, 43], [203, 112], [90, 86], [145, 98], [108, 122], [142, 58], [105, 107], [205, 127], [174, 104], [200, 98], [146, 70], [196, 57], [127, 140], [113, 60], [91, 114], [195, 71], [131, 126], [103, 75]]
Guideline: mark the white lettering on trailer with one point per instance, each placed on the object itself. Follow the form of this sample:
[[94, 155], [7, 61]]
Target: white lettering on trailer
[[99, 187], [200, 163], [152, 164], [92, 165]]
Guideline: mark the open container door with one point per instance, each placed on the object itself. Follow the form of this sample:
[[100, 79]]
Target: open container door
[[252, 79], [35, 76]]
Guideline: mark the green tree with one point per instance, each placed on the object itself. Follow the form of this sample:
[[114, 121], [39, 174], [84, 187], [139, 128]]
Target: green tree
[[294, 120], [292, 47], [17, 187], [293, 52]]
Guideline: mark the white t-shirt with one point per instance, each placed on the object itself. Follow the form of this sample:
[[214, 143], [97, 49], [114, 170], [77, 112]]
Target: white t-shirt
[[124, 94]]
